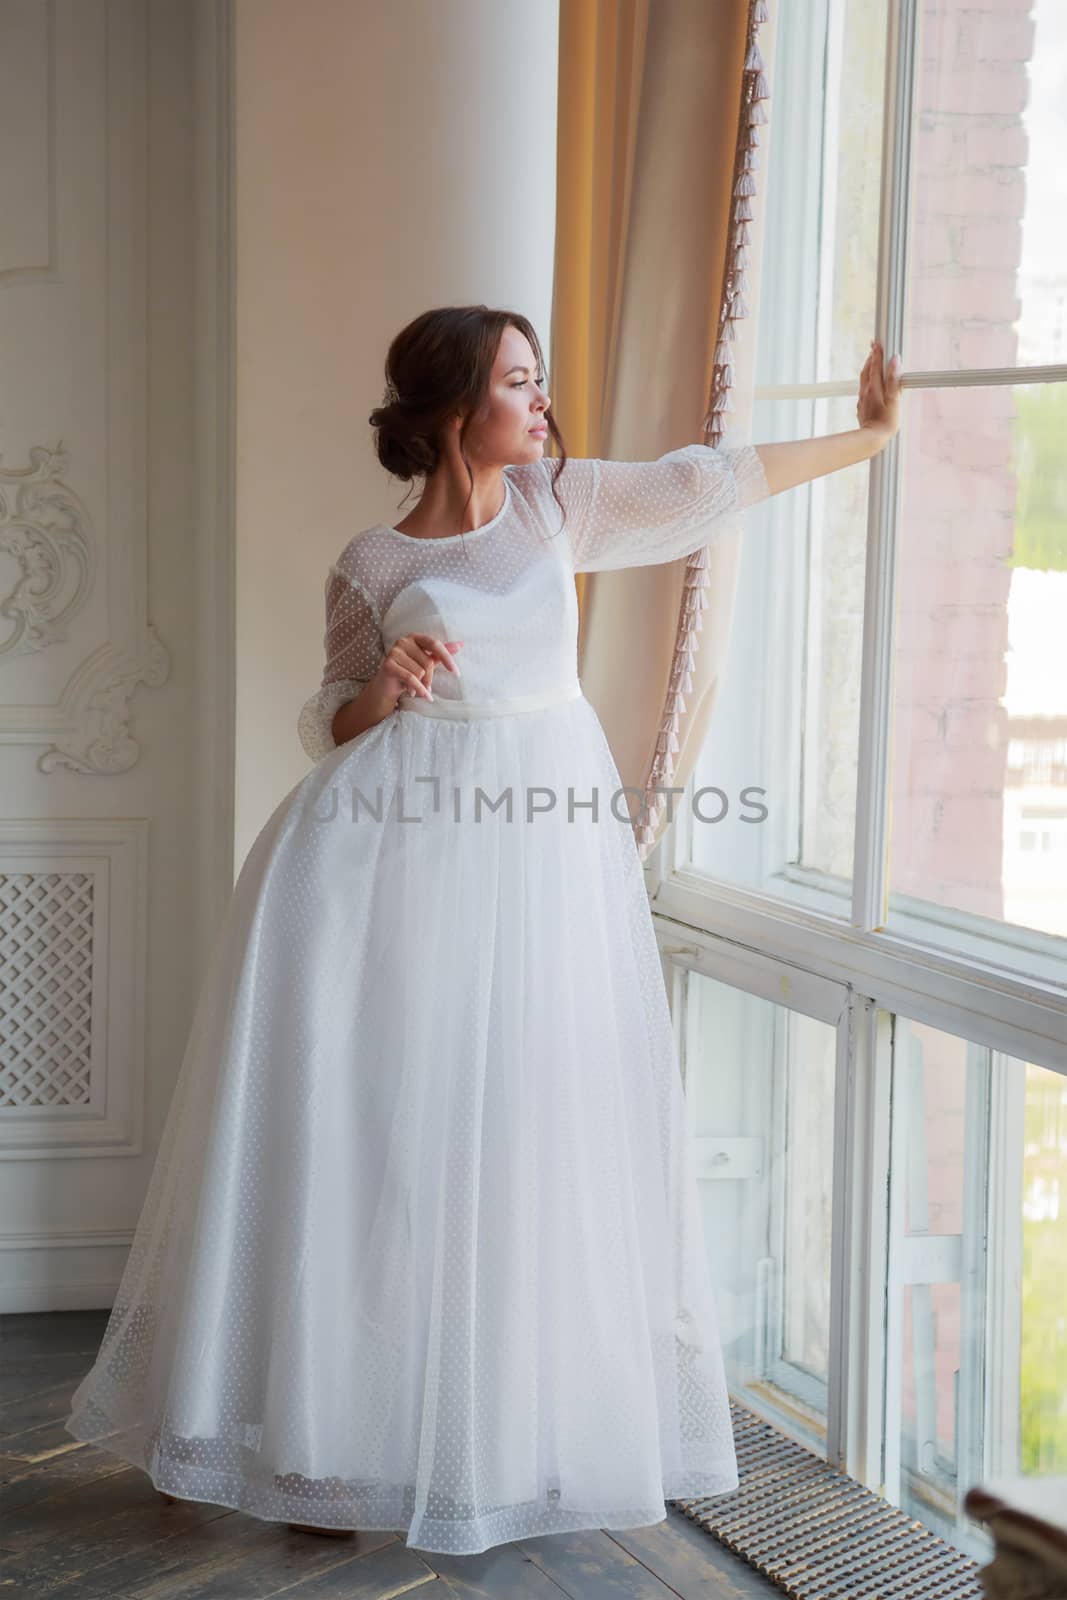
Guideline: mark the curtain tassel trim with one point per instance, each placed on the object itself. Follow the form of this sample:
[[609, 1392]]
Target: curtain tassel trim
[[755, 89]]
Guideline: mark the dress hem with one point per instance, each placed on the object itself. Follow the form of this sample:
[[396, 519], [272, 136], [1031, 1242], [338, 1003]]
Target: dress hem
[[441, 1536]]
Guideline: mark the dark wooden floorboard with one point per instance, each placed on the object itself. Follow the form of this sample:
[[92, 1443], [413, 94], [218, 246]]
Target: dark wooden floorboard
[[79, 1524], [693, 1564], [52, 1333], [240, 1558]]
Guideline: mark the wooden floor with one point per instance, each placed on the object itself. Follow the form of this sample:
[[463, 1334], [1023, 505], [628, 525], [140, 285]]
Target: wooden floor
[[76, 1522]]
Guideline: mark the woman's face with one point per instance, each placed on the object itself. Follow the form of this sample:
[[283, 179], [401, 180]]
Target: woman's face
[[502, 434]]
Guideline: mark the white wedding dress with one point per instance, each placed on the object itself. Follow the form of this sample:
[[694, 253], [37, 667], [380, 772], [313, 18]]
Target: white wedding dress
[[421, 1249]]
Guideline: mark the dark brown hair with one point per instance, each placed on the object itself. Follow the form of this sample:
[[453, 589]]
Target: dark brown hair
[[436, 366]]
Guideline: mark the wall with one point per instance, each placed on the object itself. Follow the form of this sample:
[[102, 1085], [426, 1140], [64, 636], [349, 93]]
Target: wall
[[388, 159]]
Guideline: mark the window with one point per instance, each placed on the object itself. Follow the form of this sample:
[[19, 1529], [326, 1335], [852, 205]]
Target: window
[[872, 977], [901, 619], [760, 1080]]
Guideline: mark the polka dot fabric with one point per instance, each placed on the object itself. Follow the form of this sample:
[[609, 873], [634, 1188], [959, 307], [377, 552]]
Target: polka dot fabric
[[504, 584], [421, 1250]]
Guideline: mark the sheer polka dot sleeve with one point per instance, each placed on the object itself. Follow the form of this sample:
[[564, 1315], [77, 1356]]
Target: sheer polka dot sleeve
[[354, 651], [638, 513]]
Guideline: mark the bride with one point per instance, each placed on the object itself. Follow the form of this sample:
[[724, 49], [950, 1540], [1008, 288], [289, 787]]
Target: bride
[[421, 1250]]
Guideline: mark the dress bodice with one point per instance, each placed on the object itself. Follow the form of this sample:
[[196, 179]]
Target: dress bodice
[[507, 588]]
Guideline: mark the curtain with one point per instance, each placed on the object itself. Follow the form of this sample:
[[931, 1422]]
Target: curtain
[[662, 116]]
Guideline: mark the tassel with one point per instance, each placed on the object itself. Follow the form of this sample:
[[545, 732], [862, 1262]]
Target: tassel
[[753, 138], [721, 402], [699, 627], [741, 256], [743, 209], [749, 160], [743, 233], [759, 11], [753, 59], [761, 89], [757, 116], [698, 558], [667, 741], [722, 353], [739, 305], [737, 289], [745, 184]]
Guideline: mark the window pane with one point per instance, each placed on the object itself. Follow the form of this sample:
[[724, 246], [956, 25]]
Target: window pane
[[820, 267], [977, 1357], [987, 268], [785, 727], [979, 772], [1043, 1364], [759, 1089]]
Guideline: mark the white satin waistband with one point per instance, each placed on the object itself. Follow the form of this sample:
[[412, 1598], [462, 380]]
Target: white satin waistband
[[464, 709]]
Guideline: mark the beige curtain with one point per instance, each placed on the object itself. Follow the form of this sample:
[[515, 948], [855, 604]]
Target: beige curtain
[[651, 125]]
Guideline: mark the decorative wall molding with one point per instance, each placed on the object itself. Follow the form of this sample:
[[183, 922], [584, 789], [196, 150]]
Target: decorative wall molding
[[44, 524], [93, 248], [73, 915], [100, 742], [46, 530], [28, 184]]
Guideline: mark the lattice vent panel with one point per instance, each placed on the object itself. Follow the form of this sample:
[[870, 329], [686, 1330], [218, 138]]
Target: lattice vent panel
[[46, 989]]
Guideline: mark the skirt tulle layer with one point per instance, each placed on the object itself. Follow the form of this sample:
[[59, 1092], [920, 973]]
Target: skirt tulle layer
[[421, 1249]]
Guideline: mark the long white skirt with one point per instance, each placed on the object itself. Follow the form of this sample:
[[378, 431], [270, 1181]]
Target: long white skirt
[[421, 1250]]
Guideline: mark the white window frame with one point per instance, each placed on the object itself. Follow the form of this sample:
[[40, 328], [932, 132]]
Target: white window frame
[[821, 932]]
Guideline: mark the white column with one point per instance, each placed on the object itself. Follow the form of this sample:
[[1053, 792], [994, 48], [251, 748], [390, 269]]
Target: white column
[[389, 158]]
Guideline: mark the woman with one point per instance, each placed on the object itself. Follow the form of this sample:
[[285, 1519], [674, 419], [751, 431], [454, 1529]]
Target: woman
[[421, 1248]]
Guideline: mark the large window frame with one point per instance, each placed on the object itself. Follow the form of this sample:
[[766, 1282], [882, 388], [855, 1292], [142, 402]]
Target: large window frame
[[815, 935]]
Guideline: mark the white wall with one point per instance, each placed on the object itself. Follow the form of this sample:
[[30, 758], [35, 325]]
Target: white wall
[[389, 159]]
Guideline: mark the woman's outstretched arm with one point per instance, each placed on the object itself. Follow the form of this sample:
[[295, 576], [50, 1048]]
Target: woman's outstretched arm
[[878, 410]]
